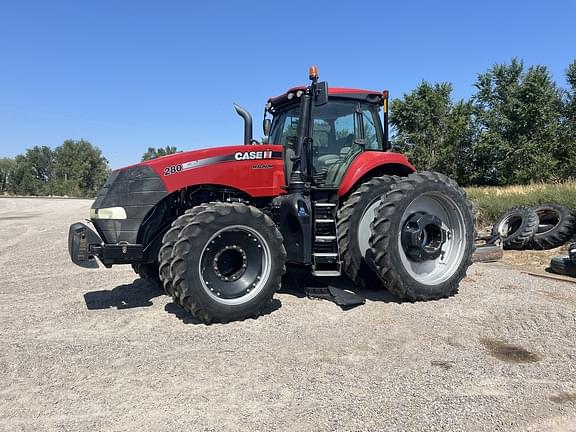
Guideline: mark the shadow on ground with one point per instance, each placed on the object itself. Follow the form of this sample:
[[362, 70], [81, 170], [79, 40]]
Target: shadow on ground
[[186, 318], [140, 293], [137, 294], [296, 279]]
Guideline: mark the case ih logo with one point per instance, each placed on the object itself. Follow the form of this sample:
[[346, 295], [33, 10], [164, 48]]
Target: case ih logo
[[267, 154]]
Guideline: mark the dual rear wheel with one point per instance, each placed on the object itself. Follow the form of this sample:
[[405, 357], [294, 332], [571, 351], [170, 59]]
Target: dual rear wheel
[[413, 235]]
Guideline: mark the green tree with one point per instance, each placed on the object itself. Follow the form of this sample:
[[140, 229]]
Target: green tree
[[153, 153], [22, 179], [568, 155], [518, 117], [81, 170], [33, 171], [7, 167], [435, 133]]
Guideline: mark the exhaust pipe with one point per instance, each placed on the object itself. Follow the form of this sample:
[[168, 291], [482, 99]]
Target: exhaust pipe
[[247, 123]]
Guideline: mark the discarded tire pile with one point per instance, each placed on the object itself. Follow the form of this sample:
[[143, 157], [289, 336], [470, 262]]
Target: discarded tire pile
[[546, 226]]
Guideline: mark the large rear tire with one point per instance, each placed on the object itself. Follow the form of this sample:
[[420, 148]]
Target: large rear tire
[[227, 263], [353, 228], [423, 237]]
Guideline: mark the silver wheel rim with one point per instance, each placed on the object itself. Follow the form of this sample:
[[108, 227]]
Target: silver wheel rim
[[510, 225], [254, 288], [439, 270], [364, 230]]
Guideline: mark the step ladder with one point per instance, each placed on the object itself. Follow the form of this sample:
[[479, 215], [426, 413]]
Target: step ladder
[[325, 258]]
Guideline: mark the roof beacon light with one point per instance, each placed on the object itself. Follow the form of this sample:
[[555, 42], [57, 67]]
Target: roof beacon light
[[385, 100], [313, 72]]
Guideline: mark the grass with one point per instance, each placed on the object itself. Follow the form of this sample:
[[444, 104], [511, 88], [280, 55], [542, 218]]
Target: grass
[[492, 202]]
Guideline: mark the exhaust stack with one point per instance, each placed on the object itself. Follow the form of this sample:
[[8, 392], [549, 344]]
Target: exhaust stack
[[247, 123]]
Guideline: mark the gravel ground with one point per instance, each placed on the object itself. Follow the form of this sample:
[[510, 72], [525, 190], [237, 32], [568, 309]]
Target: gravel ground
[[103, 350]]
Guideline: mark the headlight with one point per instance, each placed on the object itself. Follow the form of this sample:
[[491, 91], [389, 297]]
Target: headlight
[[108, 213]]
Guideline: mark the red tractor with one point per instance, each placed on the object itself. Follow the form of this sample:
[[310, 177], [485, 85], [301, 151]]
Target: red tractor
[[322, 190]]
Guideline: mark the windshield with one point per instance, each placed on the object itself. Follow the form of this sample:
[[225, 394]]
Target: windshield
[[336, 127]]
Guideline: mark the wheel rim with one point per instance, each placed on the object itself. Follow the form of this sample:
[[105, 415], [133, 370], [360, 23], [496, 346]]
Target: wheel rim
[[510, 225], [234, 265], [437, 270], [364, 230]]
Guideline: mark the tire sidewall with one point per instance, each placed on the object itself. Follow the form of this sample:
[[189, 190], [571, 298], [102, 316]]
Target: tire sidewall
[[563, 229], [367, 199], [395, 246]]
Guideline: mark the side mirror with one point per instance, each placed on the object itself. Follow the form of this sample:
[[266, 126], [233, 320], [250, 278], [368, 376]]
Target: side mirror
[[321, 96]]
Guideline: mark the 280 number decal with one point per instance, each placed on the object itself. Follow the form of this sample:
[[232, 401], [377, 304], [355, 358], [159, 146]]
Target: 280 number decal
[[173, 169]]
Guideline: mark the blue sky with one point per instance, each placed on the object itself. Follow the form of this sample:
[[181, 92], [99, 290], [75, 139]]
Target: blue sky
[[126, 75]]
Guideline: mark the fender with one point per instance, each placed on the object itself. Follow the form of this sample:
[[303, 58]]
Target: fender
[[383, 162], [257, 170]]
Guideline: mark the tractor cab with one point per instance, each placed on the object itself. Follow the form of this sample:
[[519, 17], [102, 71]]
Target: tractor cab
[[339, 130]]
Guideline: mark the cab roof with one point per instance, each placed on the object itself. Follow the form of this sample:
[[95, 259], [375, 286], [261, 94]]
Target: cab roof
[[361, 95]]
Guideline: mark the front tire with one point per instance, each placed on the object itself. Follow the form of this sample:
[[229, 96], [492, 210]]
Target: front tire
[[423, 237], [168, 242], [227, 263]]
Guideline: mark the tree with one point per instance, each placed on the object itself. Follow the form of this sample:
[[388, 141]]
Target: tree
[[81, 170], [7, 167], [435, 133], [32, 172], [569, 124], [153, 153], [518, 116]]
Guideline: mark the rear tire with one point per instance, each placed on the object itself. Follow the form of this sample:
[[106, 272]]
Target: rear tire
[[556, 226], [353, 228], [227, 263], [423, 237]]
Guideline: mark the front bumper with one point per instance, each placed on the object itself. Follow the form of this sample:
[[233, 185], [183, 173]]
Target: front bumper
[[84, 246]]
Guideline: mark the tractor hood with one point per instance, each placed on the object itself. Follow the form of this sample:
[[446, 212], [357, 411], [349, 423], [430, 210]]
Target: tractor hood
[[130, 193], [257, 169]]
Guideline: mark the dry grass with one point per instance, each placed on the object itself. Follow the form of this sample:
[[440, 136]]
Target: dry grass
[[491, 202]]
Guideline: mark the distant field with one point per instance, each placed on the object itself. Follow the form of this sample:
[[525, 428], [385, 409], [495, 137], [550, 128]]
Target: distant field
[[491, 202]]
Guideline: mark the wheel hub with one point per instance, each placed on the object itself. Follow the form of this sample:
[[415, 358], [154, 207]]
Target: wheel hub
[[229, 263], [232, 263], [423, 237]]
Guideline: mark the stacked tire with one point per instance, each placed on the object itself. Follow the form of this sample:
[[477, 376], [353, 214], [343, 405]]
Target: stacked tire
[[545, 226]]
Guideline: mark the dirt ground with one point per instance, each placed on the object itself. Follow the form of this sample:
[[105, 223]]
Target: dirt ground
[[85, 350]]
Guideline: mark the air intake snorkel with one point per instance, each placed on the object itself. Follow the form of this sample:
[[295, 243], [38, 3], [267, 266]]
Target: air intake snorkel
[[247, 123]]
